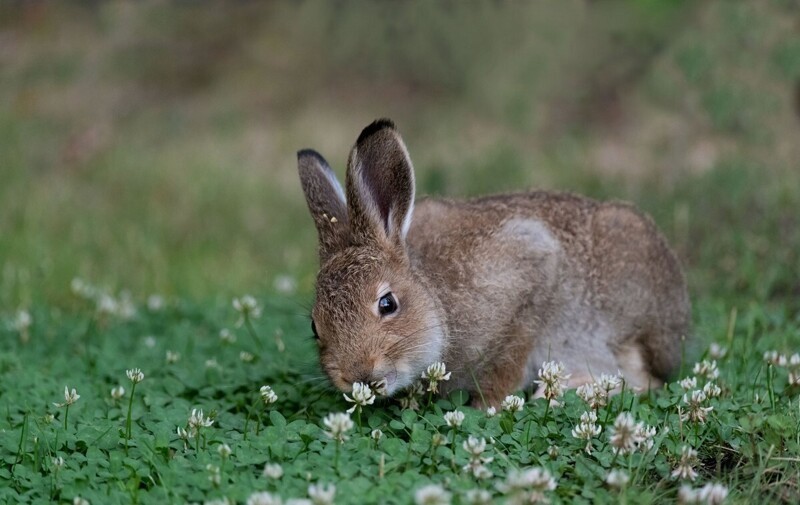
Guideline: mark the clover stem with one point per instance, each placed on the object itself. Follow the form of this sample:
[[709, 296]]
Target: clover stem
[[128, 419], [252, 331]]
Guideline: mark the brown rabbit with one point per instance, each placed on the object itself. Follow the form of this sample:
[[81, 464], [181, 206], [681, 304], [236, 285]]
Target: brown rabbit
[[492, 287]]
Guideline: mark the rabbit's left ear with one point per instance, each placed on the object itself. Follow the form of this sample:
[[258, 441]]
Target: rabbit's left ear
[[325, 200], [380, 185]]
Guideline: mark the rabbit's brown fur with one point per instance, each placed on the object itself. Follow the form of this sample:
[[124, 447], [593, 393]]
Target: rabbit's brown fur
[[492, 286]]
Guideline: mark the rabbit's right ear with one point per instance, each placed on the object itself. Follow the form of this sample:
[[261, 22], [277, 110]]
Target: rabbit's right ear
[[326, 201], [380, 185]]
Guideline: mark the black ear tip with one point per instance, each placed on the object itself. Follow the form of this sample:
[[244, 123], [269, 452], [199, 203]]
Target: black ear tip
[[374, 127], [310, 153]]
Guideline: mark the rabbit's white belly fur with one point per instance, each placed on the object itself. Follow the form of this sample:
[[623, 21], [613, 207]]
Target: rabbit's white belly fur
[[577, 338], [578, 334]]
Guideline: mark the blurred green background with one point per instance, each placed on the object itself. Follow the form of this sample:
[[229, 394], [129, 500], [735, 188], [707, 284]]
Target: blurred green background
[[150, 146]]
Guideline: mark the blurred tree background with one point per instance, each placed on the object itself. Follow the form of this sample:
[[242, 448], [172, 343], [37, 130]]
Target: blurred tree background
[[150, 146]]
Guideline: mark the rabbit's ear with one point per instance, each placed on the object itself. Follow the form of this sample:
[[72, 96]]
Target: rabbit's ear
[[326, 201], [380, 185]]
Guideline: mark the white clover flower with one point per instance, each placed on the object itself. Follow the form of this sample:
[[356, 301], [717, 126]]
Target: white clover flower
[[491, 412], [713, 493], [82, 289], [22, 321], [773, 358], [478, 497], [226, 336], [480, 472], [594, 394], [70, 397], [410, 400], [688, 383], [247, 307], [644, 436], [474, 445], [107, 305], [622, 435], [707, 369], [272, 471], [438, 440], [475, 448], [58, 462], [617, 479], [435, 374], [338, 425], [322, 494], [716, 351], [263, 498], [695, 409], [512, 403], [586, 392], [150, 341], [376, 435], [155, 303], [454, 418], [553, 451], [197, 421], [285, 284], [379, 387], [224, 450], [610, 382], [183, 434], [135, 375], [80, 501], [587, 429], [172, 356], [212, 363], [527, 486], [685, 468], [218, 501], [794, 373], [117, 392], [268, 396], [126, 309], [246, 357], [553, 378], [432, 494], [688, 495], [213, 474], [712, 390], [362, 396]]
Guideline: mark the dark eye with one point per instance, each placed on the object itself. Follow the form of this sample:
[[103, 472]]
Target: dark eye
[[387, 304], [314, 329]]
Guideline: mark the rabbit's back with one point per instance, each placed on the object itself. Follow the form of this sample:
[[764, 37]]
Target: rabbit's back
[[557, 276]]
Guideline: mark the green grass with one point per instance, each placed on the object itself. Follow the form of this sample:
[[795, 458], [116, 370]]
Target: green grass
[[750, 442]]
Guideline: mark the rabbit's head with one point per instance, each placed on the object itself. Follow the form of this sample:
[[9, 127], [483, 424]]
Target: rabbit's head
[[373, 317]]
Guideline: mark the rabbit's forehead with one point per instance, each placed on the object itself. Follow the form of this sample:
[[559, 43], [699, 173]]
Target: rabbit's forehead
[[353, 277]]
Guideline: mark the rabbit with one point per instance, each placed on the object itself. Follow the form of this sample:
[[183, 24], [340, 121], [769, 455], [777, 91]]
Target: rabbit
[[491, 286]]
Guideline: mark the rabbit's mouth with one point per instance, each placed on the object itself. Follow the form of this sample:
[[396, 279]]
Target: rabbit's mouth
[[385, 386], [391, 380]]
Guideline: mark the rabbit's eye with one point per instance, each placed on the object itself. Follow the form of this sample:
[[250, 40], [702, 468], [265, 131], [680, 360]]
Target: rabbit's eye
[[387, 304], [314, 329]]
